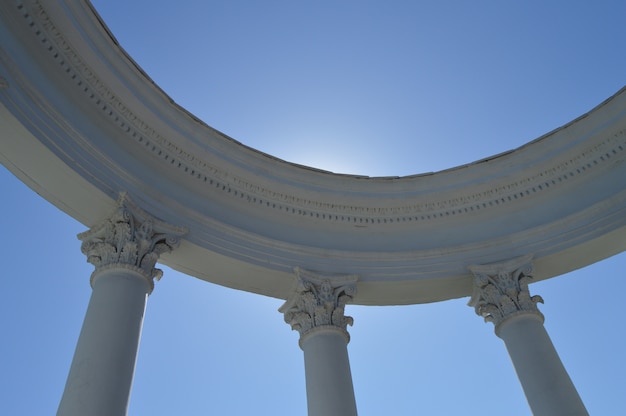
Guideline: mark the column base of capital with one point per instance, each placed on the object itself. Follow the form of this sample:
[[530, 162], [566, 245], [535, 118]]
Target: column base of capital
[[517, 316], [323, 329]]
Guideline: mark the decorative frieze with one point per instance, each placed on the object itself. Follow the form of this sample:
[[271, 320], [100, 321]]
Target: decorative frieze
[[600, 153], [319, 302], [501, 290], [130, 238]]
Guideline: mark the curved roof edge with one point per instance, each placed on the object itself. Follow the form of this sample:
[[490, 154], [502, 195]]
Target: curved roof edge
[[82, 122]]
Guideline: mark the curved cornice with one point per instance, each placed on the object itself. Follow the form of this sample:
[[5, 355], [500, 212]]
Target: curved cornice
[[74, 90]]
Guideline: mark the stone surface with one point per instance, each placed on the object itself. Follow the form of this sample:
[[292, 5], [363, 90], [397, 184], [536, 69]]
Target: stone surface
[[547, 385], [80, 121], [124, 249], [501, 290], [84, 122], [319, 302], [130, 238], [316, 310], [501, 296]]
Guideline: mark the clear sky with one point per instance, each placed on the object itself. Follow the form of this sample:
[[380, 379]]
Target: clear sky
[[376, 88]]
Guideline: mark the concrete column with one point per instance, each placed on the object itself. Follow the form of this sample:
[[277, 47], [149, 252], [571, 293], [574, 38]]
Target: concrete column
[[102, 370], [316, 310], [124, 249], [501, 296], [547, 386], [329, 387]]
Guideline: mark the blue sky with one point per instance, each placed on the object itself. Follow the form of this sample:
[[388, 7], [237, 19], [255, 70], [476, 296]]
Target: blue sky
[[377, 88]]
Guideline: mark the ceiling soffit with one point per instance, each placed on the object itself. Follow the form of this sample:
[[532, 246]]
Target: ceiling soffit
[[77, 92]]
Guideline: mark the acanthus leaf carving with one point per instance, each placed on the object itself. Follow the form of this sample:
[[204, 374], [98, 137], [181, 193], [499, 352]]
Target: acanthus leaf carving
[[130, 238], [319, 301], [501, 290]]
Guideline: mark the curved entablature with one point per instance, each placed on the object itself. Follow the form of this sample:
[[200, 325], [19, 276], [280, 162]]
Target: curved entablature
[[73, 99]]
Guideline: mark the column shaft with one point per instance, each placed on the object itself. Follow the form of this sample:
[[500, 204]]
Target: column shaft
[[101, 373], [547, 386], [124, 249], [316, 310], [328, 377], [501, 296]]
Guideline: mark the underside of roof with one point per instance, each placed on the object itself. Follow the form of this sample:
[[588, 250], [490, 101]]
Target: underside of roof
[[81, 122]]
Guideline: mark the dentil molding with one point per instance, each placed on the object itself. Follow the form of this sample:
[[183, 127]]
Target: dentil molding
[[82, 120], [244, 189]]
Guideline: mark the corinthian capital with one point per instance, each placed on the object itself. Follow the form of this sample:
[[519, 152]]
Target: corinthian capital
[[130, 238], [501, 290], [319, 302]]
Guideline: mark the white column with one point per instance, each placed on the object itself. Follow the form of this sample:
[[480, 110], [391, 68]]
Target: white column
[[501, 296], [316, 311], [124, 249]]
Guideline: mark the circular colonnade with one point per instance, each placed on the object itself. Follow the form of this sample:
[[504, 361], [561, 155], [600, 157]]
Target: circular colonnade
[[89, 131]]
